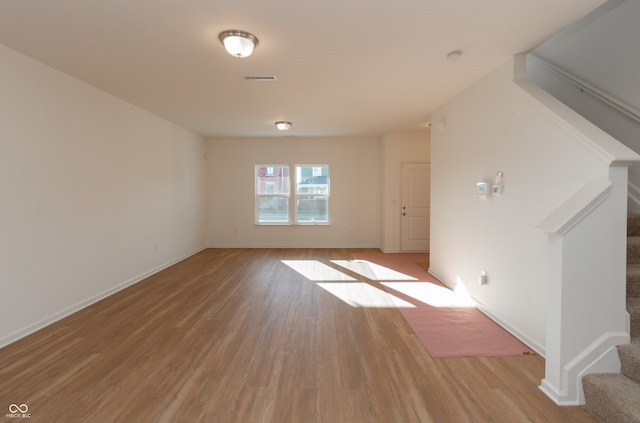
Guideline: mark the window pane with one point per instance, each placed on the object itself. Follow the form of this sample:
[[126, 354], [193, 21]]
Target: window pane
[[313, 209], [312, 180], [273, 209], [272, 179]]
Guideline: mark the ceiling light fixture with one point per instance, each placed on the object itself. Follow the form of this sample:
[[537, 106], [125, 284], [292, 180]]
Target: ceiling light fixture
[[238, 43], [454, 55], [283, 125]]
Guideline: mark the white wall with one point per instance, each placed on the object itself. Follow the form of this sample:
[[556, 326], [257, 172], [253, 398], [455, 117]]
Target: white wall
[[494, 126], [596, 106], [593, 66], [620, 126], [95, 194], [355, 200], [398, 148], [602, 49]]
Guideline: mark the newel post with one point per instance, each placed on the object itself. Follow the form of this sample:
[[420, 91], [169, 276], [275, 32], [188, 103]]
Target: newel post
[[586, 316]]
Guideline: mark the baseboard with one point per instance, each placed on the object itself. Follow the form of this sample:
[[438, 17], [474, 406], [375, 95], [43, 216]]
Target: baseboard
[[293, 246], [34, 327], [539, 349], [554, 394], [600, 357], [441, 279]]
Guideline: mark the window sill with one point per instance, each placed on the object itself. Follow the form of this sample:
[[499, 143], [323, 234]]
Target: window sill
[[293, 224]]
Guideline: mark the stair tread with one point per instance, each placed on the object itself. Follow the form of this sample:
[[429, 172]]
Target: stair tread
[[618, 385], [634, 349], [613, 396]]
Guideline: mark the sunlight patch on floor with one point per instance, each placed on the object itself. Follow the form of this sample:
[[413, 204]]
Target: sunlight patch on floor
[[373, 271], [317, 271], [361, 294], [432, 294]]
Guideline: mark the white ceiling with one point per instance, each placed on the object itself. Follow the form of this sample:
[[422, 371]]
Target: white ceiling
[[343, 67]]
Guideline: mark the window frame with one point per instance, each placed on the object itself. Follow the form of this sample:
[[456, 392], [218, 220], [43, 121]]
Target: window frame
[[292, 196], [297, 195], [258, 195]]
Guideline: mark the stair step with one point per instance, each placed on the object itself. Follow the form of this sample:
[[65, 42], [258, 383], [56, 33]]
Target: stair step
[[630, 361], [633, 250], [633, 224], [613, 397], [633, 280], [633, 308]]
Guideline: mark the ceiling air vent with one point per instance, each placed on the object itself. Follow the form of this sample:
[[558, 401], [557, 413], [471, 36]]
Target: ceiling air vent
[[260, 78]]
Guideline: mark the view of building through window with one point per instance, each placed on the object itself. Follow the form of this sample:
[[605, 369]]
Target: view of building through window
[[312, 194], [272, 194], [273, 191]]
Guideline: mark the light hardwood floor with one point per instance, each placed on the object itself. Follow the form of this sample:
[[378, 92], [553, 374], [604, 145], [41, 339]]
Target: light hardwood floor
[[234, 335]]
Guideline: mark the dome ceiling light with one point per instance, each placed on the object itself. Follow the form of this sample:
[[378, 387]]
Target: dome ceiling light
[[238, 43], [454, 55], [283, 125]]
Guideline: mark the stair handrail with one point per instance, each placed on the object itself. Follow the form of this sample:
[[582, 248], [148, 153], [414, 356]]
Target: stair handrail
[[576, 207], [612, 101]]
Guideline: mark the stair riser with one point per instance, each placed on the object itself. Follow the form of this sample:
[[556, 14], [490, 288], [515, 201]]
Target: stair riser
[[633, 225], [635, 325], [630, 361], [633, 253], [633, 286], [612, 397], [633, 308]]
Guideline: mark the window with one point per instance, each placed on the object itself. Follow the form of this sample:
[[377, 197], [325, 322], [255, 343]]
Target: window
[[272, 194], [273, 190], [312, 194]]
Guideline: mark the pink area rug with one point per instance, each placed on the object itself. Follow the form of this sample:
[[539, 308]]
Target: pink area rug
[[447, 324]]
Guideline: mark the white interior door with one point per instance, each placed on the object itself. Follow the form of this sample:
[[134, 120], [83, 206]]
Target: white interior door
[[416, 182]]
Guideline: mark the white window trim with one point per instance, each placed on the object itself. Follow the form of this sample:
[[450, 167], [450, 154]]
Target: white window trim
[[294, 203], [292, 196], [257, 195]]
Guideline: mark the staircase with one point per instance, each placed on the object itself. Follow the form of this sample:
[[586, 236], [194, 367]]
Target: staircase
[[615, 397]]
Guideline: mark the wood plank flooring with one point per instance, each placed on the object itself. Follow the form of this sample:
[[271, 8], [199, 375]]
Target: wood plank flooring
[[235, 335]]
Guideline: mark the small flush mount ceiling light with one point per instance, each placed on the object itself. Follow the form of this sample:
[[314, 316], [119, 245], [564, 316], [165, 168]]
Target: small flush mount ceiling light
[[454, 55], [283, 125], [238, 43]]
